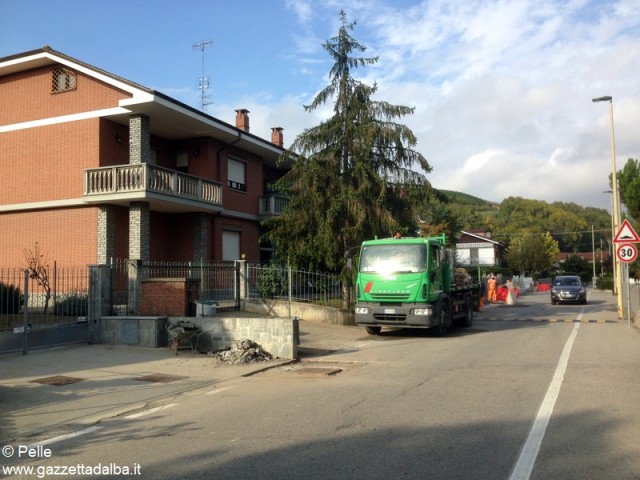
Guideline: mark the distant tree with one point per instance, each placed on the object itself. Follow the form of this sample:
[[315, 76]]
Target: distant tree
[[579, 266], [355, 175], [532, 253]]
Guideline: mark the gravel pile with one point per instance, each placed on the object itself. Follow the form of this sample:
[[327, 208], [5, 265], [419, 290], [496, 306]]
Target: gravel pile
[[241, 352]]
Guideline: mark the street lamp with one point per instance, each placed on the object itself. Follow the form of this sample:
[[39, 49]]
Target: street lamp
[[615, 201], [612, 254]]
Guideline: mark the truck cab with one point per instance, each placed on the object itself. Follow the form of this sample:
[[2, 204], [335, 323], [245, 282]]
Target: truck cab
[[405, 282]]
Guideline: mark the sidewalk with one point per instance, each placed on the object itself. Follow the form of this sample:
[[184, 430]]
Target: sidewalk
[[114, 380]]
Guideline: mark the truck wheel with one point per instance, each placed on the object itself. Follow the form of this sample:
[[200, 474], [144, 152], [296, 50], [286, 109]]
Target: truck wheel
[[467, 321], [443, 320], [373, 330]]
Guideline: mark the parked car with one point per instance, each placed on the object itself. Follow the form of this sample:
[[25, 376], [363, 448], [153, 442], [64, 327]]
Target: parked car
[[568, 289]]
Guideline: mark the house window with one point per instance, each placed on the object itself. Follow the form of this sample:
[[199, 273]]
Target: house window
[[236, 176], [230, 246], [62, 80]]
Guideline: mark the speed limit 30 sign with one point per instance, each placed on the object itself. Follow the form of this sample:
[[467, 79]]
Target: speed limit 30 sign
[[627, 252]]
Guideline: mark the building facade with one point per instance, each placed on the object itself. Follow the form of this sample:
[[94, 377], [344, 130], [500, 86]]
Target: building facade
[[477, 248], [96, 167]]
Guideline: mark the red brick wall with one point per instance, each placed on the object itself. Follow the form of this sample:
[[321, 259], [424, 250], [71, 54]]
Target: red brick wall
[[27, 96], [167, 297], [171, 237], [67, 236]]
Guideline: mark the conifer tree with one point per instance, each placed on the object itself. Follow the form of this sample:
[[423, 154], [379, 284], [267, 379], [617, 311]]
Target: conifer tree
[[355, 175]]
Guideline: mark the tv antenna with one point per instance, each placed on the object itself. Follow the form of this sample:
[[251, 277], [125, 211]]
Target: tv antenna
[[203, 81]]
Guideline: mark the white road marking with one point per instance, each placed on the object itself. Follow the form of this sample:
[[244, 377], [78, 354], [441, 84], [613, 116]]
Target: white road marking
[[217, 390], [151, 410], [64, 437], [529, 452]]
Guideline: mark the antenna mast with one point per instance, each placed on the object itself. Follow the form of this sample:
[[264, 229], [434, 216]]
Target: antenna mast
[[203, 81]]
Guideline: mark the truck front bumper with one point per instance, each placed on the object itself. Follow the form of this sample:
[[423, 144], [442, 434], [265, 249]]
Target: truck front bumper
[[415, 315]]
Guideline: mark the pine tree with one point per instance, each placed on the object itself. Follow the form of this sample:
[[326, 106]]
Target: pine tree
[[354, 176]]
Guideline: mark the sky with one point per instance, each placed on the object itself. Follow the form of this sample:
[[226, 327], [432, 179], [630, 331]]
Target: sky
[[502, 89]]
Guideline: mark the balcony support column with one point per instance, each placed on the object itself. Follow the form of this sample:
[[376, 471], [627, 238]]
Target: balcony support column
[[201, 222], [139, 236], [106, 233]]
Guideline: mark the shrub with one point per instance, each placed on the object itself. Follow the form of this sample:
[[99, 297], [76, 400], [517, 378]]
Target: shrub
[[72, 305], [604, 283], [272, 281], [10, 299]]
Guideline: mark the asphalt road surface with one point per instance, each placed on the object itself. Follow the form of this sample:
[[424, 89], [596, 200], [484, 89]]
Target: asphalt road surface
[[531, 391]]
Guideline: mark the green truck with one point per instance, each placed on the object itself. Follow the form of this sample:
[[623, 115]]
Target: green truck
[[413, 283]]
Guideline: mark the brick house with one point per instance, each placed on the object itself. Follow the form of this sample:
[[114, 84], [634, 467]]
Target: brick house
[[96, 167]]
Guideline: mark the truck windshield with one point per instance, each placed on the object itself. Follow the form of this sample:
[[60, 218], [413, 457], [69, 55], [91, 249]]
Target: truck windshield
[[398, 258]]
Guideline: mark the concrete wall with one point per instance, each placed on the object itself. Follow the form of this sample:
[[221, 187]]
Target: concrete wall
[[303, 311], [278, 336], [137, 331]]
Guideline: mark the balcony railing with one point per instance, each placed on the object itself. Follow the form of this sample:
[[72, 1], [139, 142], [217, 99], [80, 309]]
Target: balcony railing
[[134, 178], [271, 205]]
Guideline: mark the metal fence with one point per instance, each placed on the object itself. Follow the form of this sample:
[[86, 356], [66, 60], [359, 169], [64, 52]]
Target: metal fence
[[277, 282], [63, 297], [216, 281], [60, 295]]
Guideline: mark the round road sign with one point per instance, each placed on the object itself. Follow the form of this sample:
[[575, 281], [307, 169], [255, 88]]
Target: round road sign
[[627, 252]]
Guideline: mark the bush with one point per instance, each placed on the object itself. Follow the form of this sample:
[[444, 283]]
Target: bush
[[604, 283], [72, 305], [272, 282], [10, 299]]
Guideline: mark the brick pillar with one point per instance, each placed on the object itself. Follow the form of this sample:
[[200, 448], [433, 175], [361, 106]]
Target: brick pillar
[[139, 139], [138, 251], [106, 233], [201, 237]]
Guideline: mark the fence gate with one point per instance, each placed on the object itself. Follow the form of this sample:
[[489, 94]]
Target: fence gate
[[44, 308]]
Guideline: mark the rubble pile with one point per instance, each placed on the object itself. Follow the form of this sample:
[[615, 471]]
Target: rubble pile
[[241, 352]]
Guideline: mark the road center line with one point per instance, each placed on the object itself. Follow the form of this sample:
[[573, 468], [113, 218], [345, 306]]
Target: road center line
[[529, 452]]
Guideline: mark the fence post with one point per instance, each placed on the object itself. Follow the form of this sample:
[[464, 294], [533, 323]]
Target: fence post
[[241, 272], [25, 323], [134, 273], [290, 289]]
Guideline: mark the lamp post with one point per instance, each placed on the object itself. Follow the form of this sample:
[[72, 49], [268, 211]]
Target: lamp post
[[615, 201], [612, 254]]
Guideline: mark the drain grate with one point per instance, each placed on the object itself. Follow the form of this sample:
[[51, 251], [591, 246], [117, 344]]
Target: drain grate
[[160, 378], [58, 380]]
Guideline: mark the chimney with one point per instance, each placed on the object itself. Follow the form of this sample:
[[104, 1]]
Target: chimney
[[277, 137], [242, 119]]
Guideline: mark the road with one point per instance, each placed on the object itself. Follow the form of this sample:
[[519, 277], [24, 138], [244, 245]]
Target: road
[[531, 391]]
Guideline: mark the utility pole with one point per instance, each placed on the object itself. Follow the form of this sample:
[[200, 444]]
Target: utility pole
[[203, 81]]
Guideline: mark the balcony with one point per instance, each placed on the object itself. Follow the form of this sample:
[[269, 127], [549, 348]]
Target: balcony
[[164, 189], [272, 205]]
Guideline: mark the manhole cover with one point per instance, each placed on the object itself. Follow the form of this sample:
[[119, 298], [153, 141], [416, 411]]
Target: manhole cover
[[318, 370], [160, 378], [58, 380]]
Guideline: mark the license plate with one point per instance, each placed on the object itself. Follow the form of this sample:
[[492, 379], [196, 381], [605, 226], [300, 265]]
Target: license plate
[[390, 311]]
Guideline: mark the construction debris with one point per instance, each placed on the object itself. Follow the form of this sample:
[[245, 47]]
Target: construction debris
[[241, 352]]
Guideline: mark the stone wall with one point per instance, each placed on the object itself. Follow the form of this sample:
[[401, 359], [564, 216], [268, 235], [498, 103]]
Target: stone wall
[[278, 336]]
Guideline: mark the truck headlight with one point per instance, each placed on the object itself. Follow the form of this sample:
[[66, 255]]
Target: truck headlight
[[422, 311], [362, 310]]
